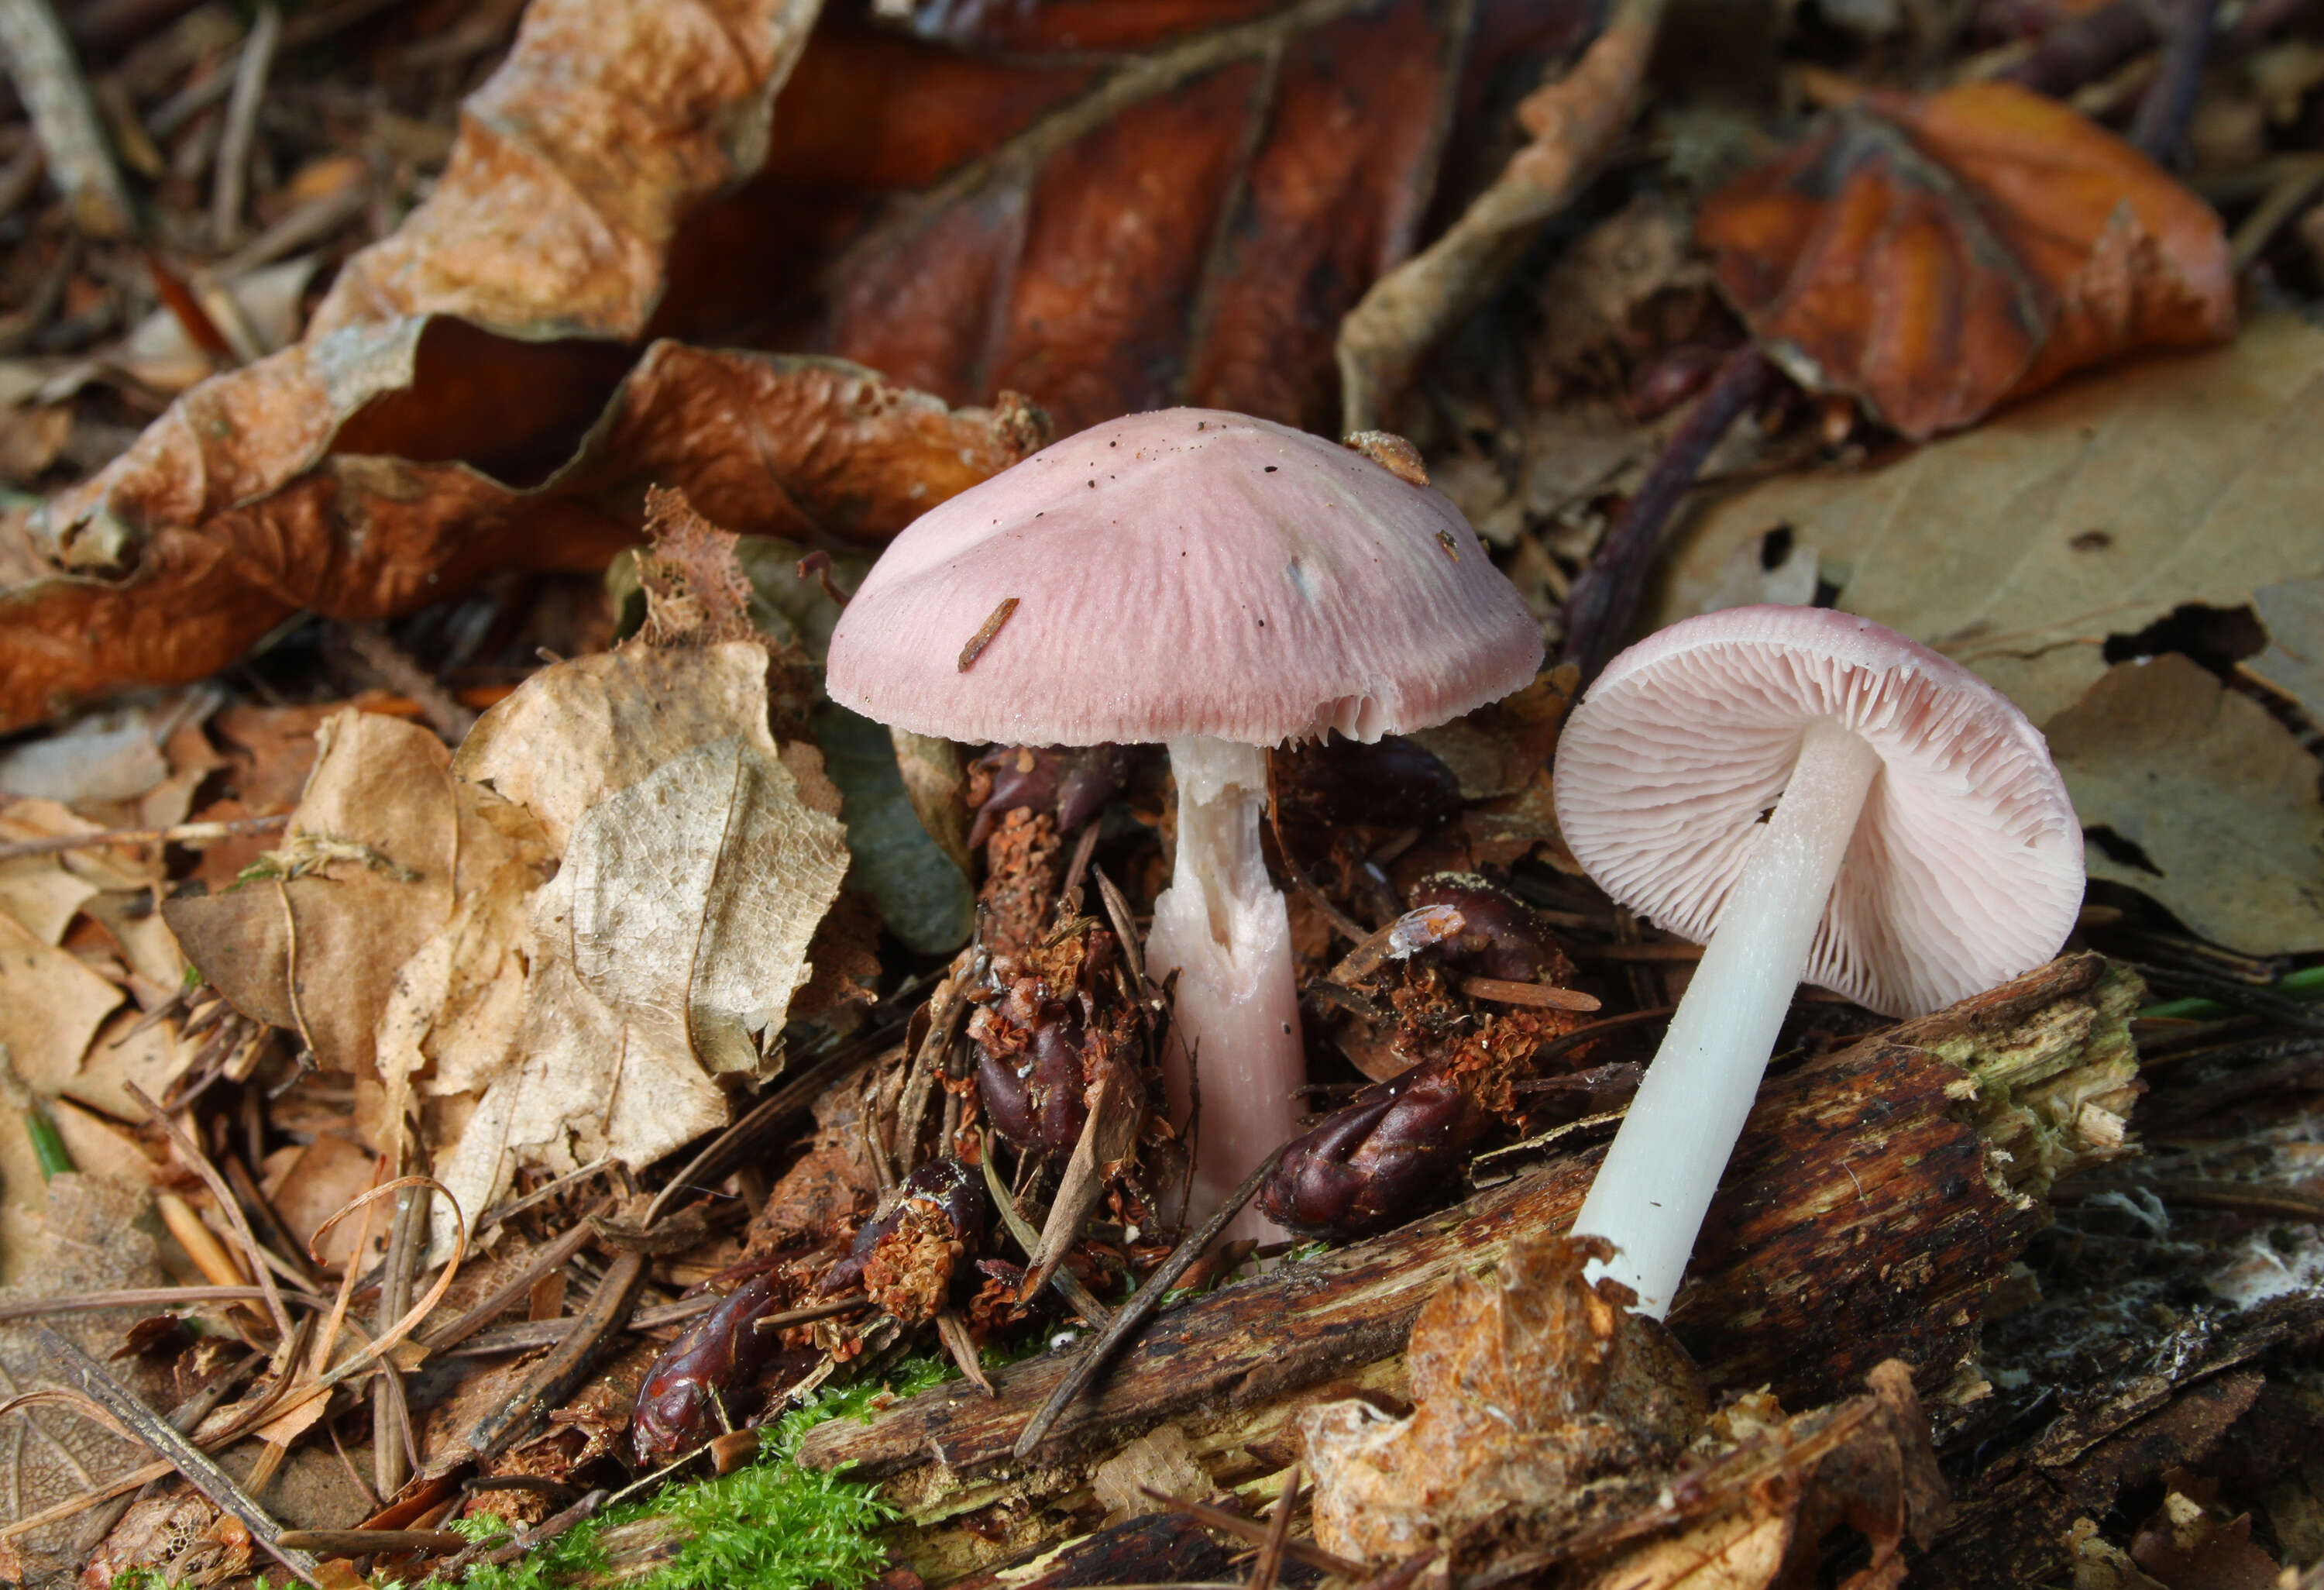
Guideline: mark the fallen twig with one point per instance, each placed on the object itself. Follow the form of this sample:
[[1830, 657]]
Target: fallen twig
[[2160, 127], [1139, 1308], [1066, 1282], [88, 1377], [554, 1378], [1272, 1548], [179, 834], [1252, 1531], [1606, 596], [1574, 122], [233, 175], [64, 117]]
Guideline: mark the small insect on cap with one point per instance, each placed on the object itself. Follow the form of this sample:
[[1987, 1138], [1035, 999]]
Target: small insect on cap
[[1965, 866], [1183, 572]]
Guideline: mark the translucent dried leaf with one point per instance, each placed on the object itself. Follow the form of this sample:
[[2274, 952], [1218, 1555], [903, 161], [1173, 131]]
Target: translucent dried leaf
[[697, 860]]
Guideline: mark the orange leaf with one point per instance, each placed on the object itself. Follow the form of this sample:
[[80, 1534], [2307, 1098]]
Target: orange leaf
[[1935, 255]]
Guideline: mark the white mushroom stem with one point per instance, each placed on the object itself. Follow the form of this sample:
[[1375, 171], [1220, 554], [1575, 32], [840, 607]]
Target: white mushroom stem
[[1224, 928], [1656, 1184]]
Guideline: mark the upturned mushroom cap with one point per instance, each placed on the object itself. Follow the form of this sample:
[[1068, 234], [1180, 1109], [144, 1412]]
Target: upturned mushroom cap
[[1184, 572], [1966, 866]]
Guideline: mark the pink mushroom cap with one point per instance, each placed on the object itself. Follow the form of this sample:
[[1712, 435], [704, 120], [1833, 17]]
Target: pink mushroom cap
[[1184, 572], [1965, 866]]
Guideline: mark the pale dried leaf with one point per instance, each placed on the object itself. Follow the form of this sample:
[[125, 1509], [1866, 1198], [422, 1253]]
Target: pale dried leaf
[[51, 1007], [381, 801], [91, 1239], [2294, 663], [697, 860], [2218, 798], [2018, 546]]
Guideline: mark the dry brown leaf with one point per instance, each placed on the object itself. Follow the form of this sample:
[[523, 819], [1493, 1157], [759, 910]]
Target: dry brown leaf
[[51, 1007], [280, 487], [2209, 804], [957, 220], [696, 860], [363, 875], [2018, 548], [91, 1239], [1937, 254], [37, 891]]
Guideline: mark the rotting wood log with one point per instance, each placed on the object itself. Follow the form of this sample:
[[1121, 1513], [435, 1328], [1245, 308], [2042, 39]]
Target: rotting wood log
[[2010, 1524], [1877, 1196]]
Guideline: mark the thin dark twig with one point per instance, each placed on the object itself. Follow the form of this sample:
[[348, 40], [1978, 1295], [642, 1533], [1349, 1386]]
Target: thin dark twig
[[1557, 1047], [88, 1377], [1263, 1573], [547, 1530], [359, 1542], [1604, 598], [2085, 48], [2160, 127], [551, 1257], [1132, 1316], [553, 1379], [1252, 1531]]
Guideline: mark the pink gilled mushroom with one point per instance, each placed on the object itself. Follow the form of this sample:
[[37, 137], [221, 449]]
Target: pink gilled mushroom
[[1810, 796], [1222, 584]]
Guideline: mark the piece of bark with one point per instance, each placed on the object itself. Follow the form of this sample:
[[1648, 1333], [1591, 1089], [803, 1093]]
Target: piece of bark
[[2010, 1526], [1864, 1217], [1158, 1548]]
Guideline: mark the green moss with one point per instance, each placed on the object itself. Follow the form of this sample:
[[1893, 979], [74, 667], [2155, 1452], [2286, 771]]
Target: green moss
[[769, 1525]]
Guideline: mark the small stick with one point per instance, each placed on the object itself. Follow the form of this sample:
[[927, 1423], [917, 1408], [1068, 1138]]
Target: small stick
[[1606, 596], [64, 117], [179, 834], [1571, 1041], [150, 1298], [952, 1330], [553, 1379], [199, 1164], [233, 175], [88, 1377], [1543, 995], [539, 1195], [1252, 1531], [407, 1244], [1657, 950], [550, 1258], [728, 1150], [1279, 1535], [399, 671], [310, 223], [1125, 926], [1132, 1315], [545, 1531], [2160, 127], [360, 1542]]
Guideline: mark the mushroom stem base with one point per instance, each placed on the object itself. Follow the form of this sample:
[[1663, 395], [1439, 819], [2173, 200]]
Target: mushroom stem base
[[1224, 928], [1656, 1186]]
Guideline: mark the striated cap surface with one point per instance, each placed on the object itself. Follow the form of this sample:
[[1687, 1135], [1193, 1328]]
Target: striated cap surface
[[1184, 572], [1966, 866]]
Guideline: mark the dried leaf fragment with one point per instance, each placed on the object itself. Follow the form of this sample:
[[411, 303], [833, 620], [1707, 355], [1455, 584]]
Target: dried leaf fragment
[[1937, 254], [698, 859], [2199, 798]]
